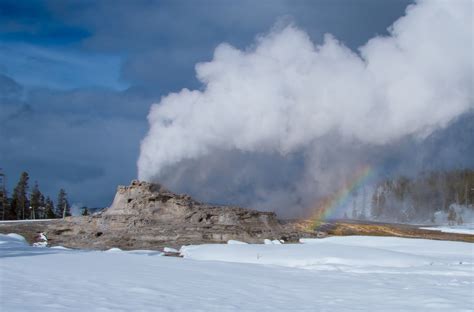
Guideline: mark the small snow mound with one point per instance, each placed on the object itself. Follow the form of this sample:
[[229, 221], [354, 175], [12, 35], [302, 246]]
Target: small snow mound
[[17, 237], [169, 249], [235, 242], [60, 247], [145, 252], [272, 242], [114, 250], [12, 239]]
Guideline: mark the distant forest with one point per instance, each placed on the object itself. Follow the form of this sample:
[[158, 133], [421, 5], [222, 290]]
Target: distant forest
[[419, 198], [401, 199], [26, 204]]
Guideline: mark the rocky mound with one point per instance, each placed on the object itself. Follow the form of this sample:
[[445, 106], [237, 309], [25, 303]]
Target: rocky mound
[[146, 215]]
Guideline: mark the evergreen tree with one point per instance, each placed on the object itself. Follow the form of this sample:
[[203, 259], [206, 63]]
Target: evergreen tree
[[49, 209], [19, 203], [452, 216], [354, 210], [42, 208], [362, 215], [364, 204], [4, 204], [466, 192], [62, 206], [417, 198], [378, 203], [35, 202], [85, 211]]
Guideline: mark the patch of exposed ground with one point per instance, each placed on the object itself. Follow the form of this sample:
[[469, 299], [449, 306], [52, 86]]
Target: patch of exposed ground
[[368, 228]]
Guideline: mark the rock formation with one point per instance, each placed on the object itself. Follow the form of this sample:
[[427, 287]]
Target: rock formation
[[146, 215]]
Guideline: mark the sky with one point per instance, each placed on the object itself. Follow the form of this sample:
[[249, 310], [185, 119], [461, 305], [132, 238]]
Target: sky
[[78, 79]]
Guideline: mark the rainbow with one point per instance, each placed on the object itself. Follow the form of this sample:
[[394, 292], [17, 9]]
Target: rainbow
[[339, 200]]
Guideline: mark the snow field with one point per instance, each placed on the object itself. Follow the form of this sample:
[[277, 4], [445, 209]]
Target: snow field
[[331, 274]]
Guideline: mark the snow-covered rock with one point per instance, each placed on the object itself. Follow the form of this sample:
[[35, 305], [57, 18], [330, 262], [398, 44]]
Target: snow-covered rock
[[41, 240], [169, 249], [235, 242], [273, 242], [114, 249]]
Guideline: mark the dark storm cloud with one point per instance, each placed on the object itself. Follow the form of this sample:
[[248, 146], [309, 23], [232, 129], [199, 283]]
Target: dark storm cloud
[[32, 21], [9, 88], [164, 40], [73, 139]]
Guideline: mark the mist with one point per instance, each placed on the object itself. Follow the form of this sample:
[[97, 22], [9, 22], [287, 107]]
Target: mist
[[286, 121]]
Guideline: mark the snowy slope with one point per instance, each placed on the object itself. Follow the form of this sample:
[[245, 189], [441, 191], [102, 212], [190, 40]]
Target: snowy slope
[[333, 274]]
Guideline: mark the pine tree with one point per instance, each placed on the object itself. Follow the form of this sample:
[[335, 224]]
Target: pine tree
[[49, 209], [362, 215], [85, 211], [42, 208], [354, 210], [364, 203], [19, 199], [466, 193], [4, 203], [35, 201], [378, 202], [62, 205], [451, 216]]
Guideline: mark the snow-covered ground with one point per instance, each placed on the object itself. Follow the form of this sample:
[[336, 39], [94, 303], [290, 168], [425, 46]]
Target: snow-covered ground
[[460, 229], [26, 220], [332, 274]]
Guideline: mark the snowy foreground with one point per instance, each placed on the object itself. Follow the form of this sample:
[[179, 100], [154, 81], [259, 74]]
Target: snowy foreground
[[332, 274]]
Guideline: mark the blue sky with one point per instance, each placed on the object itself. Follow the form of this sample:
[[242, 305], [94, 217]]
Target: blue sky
[[77, 78]]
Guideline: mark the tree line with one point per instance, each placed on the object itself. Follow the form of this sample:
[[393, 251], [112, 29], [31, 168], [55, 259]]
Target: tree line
[[26, 204], [406, 199]]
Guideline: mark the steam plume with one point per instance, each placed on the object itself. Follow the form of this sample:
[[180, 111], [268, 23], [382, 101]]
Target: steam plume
[[284, 95]]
